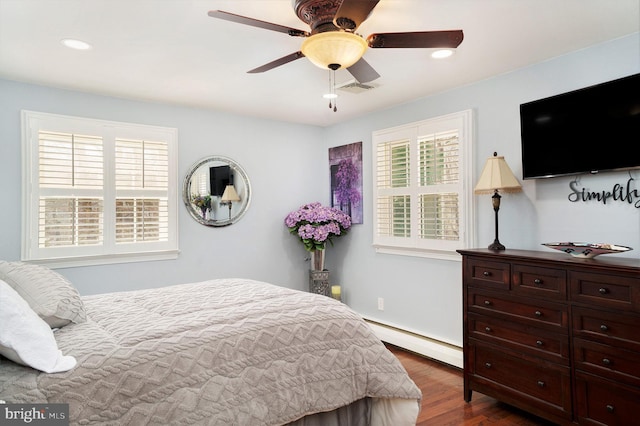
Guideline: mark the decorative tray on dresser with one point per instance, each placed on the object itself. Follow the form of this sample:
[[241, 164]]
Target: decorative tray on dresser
[[555, 335]]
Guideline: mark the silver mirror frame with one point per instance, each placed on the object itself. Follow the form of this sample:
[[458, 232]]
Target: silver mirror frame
[[239, 172]]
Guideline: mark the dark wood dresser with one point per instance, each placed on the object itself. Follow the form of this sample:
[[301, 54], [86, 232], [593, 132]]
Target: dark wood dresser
[[554, 335]]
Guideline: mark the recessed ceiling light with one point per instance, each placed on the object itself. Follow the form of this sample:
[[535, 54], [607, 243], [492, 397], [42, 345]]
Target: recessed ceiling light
[[442, 53], [329, 96], [75, 44]]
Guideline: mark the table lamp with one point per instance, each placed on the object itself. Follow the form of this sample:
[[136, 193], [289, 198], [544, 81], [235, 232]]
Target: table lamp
[[229, 196], [496, 176]]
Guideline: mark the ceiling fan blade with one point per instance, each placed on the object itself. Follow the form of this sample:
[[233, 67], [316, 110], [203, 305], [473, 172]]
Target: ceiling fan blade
[[425, 39], [281, 61], [257, 23], [363, 72], [352, 13]]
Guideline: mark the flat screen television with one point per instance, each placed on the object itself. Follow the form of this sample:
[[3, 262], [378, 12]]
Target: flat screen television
[[219, 178], [588, 130]]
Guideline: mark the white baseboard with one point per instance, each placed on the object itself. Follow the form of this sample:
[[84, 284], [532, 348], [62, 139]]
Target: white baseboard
[[419, 344]]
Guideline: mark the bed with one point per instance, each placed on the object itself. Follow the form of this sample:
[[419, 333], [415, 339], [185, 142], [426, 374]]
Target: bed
[[218, 352]]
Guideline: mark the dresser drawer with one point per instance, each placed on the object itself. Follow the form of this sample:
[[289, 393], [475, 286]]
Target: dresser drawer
[[535, 341], [486, 274], [541, 282], [620, 329], [533, 312], [607, 361], [619, 292], [537, 379], [600, 402]]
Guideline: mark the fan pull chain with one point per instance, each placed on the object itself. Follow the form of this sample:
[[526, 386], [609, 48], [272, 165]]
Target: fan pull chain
[[332, 87], [330, 90], [332, 77]]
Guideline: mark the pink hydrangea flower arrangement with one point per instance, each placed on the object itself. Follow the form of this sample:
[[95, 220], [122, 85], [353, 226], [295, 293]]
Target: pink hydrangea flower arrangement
[[315, 224]]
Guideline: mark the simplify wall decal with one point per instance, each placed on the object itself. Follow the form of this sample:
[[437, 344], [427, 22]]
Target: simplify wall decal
[[622, 193]]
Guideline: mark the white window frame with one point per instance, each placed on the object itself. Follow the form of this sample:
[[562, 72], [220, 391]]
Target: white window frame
[[415, 246], [108, 252]]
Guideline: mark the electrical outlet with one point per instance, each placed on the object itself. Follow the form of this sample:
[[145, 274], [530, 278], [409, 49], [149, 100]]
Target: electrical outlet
[[380, 304]]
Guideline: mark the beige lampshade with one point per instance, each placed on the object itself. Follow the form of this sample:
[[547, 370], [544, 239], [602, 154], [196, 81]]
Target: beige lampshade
[[334, 47], [230, 194], [497, 175]]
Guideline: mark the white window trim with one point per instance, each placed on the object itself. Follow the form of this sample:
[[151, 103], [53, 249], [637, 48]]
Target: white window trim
[[32, 122], [464, 120]]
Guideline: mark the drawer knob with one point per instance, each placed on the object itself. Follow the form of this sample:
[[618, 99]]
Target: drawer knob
[[486, 273], [606, 361], [538, 313], [610, 408], [539, 342], [487, 302], [487, 364], [603, 290], [603, 327], [487, 329], [540, 383], [537, 281]]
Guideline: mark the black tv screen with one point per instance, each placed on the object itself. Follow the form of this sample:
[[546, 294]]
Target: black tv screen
[[219, 178], [584, 131]]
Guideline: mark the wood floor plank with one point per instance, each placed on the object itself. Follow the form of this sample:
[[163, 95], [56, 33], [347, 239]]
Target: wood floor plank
[[443, 403]]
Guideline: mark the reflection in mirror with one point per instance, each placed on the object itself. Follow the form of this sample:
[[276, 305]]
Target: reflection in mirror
[[216, 191]]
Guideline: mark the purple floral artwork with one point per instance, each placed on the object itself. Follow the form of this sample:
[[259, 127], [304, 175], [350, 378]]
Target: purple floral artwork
[[345, 164]]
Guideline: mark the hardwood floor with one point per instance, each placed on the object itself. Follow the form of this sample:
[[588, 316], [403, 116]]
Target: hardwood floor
[[443, 403]]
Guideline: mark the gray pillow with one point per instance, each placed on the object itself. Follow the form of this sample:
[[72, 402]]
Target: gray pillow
[[48, 293]]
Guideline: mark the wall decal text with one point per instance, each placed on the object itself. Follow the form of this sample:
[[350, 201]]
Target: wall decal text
[[621, 193]]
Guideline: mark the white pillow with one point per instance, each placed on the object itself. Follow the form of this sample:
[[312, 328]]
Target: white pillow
[[25, 338], [48, 293]]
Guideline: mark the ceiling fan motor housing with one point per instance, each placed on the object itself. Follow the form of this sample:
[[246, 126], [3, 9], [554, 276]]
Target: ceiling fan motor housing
[[318, 14]]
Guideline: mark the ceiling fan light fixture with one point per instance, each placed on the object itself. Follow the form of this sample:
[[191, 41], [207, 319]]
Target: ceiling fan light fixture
[[442, 53], [334, 47]]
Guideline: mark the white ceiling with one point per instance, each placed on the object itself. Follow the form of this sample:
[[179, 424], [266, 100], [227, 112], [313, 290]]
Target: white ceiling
[[171, 51]]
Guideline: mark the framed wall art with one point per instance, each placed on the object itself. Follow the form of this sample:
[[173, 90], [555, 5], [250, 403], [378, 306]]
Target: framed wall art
[[345, 163]]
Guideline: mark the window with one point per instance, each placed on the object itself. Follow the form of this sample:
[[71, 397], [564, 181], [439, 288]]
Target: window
[[97, 192], [422, 187]]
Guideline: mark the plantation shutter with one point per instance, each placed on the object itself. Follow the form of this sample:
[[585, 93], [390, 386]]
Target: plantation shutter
[[142, 185], [71, 181], [393, 177], [439, 182]]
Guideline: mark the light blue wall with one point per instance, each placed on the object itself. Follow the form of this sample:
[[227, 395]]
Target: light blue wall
[[287, 165], [425, 295], [280, 159]]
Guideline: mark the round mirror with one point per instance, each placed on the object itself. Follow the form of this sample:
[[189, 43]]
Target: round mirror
[[216, 191]]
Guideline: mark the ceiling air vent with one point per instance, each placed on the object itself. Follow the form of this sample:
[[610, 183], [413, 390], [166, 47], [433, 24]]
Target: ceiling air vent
[[353, 86]]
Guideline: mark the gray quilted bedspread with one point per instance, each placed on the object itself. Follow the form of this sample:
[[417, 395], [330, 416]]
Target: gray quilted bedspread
[[219, 352]]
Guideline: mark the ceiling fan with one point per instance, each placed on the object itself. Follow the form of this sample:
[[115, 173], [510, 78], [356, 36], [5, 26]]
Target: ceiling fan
[[332, 42]]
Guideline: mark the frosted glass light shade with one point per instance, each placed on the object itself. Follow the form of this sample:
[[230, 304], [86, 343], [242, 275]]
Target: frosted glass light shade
[[497, 175], [334, 47]]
